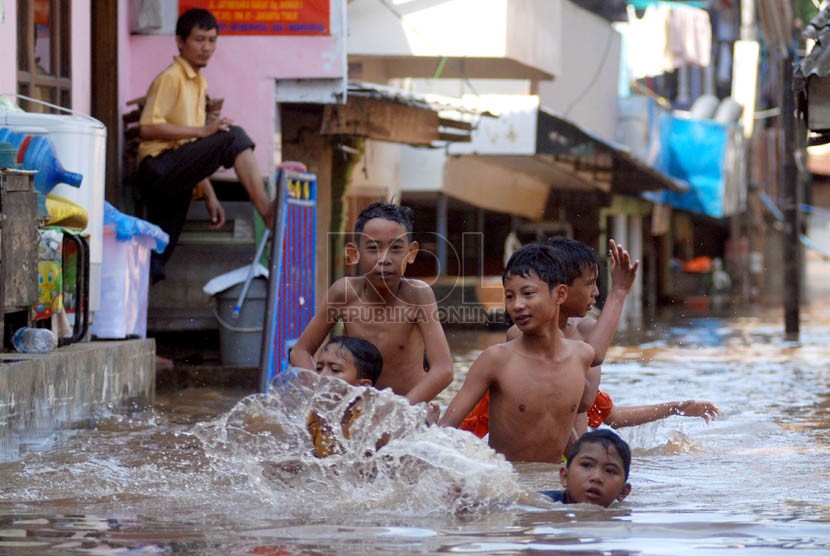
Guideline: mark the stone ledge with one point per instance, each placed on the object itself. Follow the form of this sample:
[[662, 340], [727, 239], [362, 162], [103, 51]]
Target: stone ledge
[[49, 392]]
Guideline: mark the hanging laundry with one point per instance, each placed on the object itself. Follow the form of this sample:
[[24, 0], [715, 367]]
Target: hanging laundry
[[647, 42], [690, 36]]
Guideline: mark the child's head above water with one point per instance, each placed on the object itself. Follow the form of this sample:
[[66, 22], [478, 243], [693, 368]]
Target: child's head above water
[[382, 244], [581, 267], [387, 211], [597, 469], [535, 260], [354, 360], [577, 258]]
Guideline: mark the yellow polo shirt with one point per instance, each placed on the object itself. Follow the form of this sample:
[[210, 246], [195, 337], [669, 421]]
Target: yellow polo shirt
[[176, 96]]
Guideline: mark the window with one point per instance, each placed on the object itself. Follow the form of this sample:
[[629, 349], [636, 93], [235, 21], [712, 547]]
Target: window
[[43, 61]]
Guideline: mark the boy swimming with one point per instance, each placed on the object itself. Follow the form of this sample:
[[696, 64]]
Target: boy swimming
[[358, 363], [596, 471]]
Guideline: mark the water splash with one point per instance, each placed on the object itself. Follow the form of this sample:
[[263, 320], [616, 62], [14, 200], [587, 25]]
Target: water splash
[[315, 444]]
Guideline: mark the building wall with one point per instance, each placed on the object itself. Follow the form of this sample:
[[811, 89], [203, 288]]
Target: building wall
[[80, 52], [585, 91], [525, 31], [243, 71], [81, 56], [8, 45]]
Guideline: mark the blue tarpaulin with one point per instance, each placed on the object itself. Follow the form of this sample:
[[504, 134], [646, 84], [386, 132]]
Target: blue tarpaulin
[[693, 151]]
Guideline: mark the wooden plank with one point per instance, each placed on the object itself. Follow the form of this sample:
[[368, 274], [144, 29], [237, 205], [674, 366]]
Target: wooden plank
[[20, 239], [105, 105], [455, 124], [381, 120]]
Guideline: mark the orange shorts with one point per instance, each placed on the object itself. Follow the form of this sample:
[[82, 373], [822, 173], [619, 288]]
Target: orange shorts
[[478, 421], [603, 404]]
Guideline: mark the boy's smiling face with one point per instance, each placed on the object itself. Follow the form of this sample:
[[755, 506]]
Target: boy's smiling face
[[595, 476], [530, 302], [384, 250]]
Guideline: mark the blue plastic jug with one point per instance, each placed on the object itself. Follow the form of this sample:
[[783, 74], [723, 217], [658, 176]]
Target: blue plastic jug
[[8, 155], [36, 152]]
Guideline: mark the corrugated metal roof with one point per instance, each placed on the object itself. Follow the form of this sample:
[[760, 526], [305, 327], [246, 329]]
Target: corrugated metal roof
[[817, 62], [561, 137], [430, 102]]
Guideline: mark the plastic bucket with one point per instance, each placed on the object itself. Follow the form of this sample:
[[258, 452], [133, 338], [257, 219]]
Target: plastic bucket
[[240, 339]]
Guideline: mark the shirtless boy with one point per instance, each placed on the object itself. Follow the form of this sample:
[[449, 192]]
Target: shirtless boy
[[536, 382], [581, 266], [397, 314]]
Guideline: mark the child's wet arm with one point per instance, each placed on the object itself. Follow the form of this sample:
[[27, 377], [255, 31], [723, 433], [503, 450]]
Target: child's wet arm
[[473, 389], [440, 372], [623, 271], [601, 334], [623, 274], [302, 354], [592, 378], [631, 416]]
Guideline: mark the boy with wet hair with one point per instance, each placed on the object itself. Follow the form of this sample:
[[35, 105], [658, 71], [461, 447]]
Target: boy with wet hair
[[537, 381], [353, 360], [580, 265], [399, 315], [357, 362], [596, 471]]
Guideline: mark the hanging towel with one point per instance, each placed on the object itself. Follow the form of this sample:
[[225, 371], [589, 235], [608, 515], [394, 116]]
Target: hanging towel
[[690, 36]]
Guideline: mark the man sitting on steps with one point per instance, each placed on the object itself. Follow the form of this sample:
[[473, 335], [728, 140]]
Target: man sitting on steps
[[179, 149]]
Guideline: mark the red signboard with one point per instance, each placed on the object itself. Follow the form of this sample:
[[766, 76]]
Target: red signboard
[[266, 17]]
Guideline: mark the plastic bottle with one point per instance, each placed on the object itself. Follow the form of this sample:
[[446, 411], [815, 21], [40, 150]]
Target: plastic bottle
[[36, 152], [34, 340]]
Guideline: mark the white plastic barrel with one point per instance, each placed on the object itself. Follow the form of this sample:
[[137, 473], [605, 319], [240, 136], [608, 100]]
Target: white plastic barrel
[[81, 146]]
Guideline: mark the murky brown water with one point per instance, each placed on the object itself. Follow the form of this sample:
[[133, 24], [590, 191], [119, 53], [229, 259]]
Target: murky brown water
[[756, 481]]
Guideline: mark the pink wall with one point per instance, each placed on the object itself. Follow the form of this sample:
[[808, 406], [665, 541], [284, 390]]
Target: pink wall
[[8, 46], [81, 60], [242, 71]]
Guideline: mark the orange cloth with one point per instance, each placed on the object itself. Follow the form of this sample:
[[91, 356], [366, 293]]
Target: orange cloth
[[603, 404], [699, 264], [478, 421]]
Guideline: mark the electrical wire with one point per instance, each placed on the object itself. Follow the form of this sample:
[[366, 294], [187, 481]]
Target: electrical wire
[[581, 96]]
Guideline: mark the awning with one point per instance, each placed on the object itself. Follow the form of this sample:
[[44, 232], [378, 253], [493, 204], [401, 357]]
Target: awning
[[494, 185], [559, 155], [395, 116], [609, 166]]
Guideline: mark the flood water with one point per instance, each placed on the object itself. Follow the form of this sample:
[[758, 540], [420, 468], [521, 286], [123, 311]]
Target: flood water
[[196, 475]]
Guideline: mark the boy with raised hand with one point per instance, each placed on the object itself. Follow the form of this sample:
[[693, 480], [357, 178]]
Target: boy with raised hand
[[536, 382], [581, 269], [398, 315], [596, 471]]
